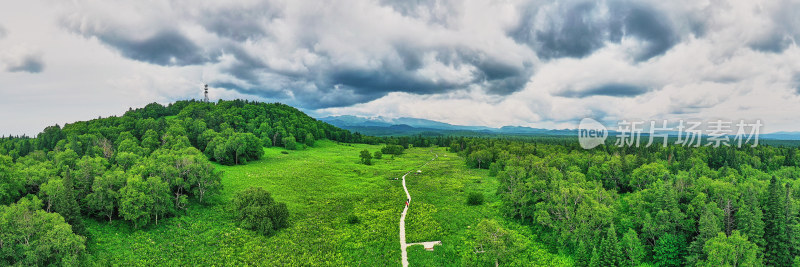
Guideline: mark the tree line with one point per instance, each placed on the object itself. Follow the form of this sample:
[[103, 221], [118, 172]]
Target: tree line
[[669, 206]]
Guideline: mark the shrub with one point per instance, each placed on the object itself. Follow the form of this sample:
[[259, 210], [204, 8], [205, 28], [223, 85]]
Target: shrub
[[474, 199], [289, 143], [392, 149], [495, 168], [378, 155], [309, 141], [366, 157], [353, 219], [284, 152], [255, 209]]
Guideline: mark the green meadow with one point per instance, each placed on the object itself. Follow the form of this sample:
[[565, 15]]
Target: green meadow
[[323, 186]]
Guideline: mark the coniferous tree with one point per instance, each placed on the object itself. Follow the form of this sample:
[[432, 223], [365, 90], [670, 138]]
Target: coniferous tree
[[708, 227], [750, 219], [777, 251], [583, 255], [791, 223], [632, 248], [595, 261], [610, 252], [669, 250]]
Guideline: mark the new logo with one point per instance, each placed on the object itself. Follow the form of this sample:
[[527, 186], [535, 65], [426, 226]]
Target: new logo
[[591, 133]]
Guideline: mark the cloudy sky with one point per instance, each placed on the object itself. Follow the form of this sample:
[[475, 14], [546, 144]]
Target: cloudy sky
[[531, 63]]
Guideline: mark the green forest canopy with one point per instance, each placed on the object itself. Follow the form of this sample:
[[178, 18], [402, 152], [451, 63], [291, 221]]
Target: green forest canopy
[[607, 206], [671, 206]]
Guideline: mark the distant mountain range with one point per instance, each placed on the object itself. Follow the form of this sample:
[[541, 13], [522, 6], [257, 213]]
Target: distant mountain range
[[382, 126], [782, 136]]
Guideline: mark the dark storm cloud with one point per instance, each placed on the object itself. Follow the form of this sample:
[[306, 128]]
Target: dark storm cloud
[[410, 56], [784, 32], [503, 79], [383, 80], [270, 44], [166, 47], [323, 56], [240, 23], [246, 67], [652, 27], [32, 63], [577, 29], [796, 82], [397, 72], [610, 89], [776, 42], [577, 36]]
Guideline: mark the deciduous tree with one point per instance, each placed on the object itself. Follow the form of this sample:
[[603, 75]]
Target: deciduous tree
[[733, 250], [255, 209], [366, 157]]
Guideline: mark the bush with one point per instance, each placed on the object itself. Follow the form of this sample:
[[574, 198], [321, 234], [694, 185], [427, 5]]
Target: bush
[[309, 141], [474, 199], [353, 219], [495, 168], [378, 155], [289, 143], [366, 157], [255, 209], [392, 149], [284, 152]]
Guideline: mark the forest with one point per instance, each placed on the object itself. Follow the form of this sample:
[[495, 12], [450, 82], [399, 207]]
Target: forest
[[665, 206], [608, 206], [147, 165]]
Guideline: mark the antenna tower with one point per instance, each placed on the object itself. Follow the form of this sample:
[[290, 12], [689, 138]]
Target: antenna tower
[[205, 99]]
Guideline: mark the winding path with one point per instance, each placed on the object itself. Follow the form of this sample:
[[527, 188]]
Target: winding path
[[403, 245]]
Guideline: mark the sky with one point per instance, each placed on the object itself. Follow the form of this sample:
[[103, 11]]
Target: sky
[[544, 64]]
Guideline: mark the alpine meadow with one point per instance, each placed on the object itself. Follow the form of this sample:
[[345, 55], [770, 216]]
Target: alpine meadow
[[582, 133]]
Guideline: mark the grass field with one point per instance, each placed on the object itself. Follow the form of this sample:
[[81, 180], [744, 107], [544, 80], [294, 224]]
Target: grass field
[[440, 212], [322, 186]]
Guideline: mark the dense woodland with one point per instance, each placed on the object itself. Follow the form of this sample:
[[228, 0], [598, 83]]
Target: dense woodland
[[608, 206], [149, 164], [668, 206]]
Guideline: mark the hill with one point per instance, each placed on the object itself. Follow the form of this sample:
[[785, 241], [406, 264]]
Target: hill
[[141, 168]]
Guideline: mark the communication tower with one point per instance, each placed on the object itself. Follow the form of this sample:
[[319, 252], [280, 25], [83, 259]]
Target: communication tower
[[205, 99]]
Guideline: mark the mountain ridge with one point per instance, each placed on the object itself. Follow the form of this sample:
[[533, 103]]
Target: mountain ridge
[[383, 126]]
